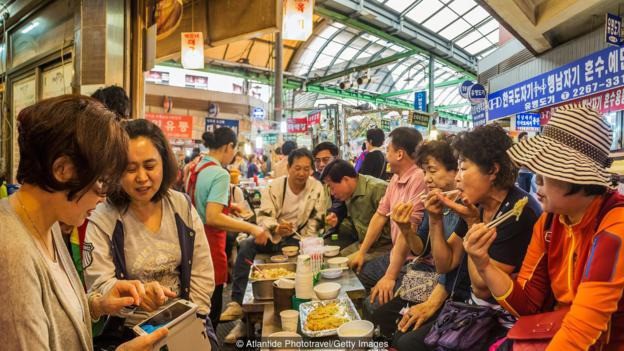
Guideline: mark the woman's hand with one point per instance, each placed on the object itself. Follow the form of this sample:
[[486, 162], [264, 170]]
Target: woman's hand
[[155, 296], [416, 316], [145, 342], [401, 214], [433, 205], [477, 244], [124, 293], [467, 211]]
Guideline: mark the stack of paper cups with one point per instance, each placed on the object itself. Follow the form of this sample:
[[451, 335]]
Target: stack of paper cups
[[304, 278]]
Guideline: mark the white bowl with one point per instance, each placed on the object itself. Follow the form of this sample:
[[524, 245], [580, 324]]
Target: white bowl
[[331, 273], [337, 262], [356, 329], [279, 259], [327, 291], [290, 250], [331, 251]]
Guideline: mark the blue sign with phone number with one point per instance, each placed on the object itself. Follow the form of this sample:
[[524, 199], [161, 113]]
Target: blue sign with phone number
[[602, 70], [528, 121]]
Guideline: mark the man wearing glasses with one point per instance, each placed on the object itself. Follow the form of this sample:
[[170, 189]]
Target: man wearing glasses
[[323, 153]]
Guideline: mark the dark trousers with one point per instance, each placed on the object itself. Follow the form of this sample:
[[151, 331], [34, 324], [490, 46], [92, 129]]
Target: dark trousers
[[247, 250], [387, 316], [216, 303], [414, 340]]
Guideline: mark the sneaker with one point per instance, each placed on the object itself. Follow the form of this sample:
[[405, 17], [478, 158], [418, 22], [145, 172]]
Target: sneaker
[[239, 331], [232, 312]]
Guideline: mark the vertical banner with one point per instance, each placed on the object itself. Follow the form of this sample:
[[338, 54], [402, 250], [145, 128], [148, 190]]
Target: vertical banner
[[314, 118], [192, 50], [613, 29], [420, 101], [479, 114], [297, 21], [173, 126], [297, 125]]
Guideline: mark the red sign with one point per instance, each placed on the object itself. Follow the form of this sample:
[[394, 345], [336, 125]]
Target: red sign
[[314, 118], [297, 125], [607, 101], [174, 126]]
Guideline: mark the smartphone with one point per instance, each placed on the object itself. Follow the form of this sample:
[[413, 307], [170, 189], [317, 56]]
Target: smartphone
[[170, 316]]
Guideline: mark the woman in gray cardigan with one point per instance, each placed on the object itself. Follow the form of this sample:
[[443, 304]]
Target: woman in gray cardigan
[[64, 174]]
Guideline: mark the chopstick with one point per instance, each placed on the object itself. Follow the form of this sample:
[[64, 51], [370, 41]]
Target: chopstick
[[253, 266], [515, 211], [420, 194]]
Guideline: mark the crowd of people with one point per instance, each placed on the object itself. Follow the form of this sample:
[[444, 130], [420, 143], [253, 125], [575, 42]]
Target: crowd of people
[[422, 223]]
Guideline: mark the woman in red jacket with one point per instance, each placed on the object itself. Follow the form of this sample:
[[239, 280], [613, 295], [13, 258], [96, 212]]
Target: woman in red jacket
[[576, 253]]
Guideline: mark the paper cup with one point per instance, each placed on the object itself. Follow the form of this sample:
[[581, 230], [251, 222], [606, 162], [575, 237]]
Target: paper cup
[[289, 320]]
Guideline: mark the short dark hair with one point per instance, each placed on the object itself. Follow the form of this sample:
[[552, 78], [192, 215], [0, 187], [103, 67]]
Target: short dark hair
[[375, 136], [221, 136], [440, 150], [588, 190], [143, 128], [299, 153], [75, 126], [115, 99], [406, 138], [338, 169], [326, 145], [288, 146], [278, 150], [522, 134], [486, 146]]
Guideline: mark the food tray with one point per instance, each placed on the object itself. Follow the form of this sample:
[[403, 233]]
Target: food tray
[[347, 309], [262, 289]]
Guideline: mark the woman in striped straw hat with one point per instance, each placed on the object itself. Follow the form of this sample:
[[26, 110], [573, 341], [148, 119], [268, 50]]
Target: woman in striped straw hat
[[575, 261]]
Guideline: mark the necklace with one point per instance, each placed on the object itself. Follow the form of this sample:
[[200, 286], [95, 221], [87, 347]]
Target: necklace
[[32, 224]]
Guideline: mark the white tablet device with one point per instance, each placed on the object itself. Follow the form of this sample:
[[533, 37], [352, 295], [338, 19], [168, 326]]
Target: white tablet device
[[168, 317]]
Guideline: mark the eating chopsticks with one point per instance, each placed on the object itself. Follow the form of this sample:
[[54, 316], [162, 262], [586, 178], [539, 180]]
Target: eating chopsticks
[[515, 211]]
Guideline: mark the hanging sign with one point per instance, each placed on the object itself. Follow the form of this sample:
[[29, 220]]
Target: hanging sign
[[600, 71], [464, 87], [420, 101], [607, 101], [476, 93], [314, 118], [479, 114], [257, 113], [173, 126], [613, 29], [214, 123], [192, 50], [419, 119], [529, 122], [297, 125], [297, 21]]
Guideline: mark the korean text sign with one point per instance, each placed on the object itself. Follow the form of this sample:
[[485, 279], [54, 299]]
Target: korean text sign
[[600, 71], [529, 122], [298, 125], [214, 123], [174, 126]]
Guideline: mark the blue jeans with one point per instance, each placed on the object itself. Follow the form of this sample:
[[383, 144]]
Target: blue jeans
[[247, 250]]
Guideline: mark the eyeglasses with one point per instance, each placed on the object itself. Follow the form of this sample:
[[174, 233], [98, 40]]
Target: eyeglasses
[[323, 160]]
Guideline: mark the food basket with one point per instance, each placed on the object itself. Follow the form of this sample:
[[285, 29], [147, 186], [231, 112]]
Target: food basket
[[263, 288], [346, 310]]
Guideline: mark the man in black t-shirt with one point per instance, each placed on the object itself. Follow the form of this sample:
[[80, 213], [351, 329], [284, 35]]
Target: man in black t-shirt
[[374, 163]]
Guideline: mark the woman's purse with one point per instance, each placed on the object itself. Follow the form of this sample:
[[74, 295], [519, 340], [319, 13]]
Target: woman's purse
[[417, 284], [461, 326], [534, 332]]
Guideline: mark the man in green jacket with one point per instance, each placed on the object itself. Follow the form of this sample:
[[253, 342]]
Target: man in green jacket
[[361, 194]]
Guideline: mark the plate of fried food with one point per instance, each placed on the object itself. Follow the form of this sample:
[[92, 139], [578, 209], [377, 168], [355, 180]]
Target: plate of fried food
[[323, 318]]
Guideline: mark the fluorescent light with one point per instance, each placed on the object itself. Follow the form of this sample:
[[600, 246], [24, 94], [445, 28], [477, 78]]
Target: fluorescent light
[[30, 27]]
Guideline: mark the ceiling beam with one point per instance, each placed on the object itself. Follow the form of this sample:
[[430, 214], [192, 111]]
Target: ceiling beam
[[376, 19], [446, 83], [380, 62]]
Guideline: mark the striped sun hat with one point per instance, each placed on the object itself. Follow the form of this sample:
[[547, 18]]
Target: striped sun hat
[[574, 148]]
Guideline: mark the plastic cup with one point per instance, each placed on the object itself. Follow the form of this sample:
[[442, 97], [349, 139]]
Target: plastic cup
[[289, 320]]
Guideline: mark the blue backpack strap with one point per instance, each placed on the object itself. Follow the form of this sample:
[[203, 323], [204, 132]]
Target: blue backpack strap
[[117, 251]]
